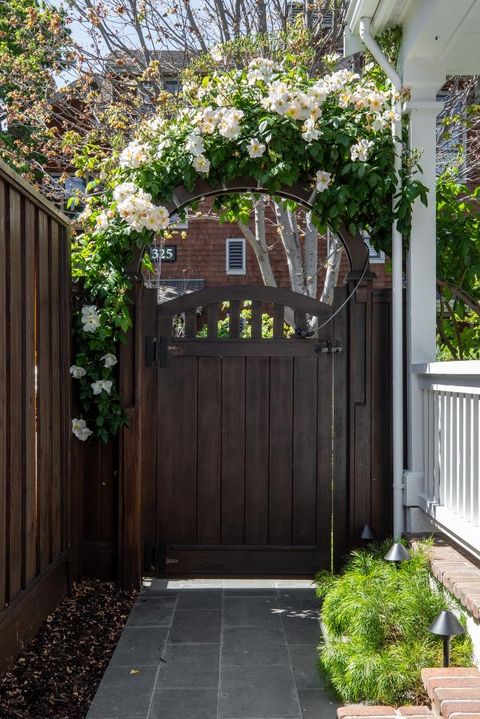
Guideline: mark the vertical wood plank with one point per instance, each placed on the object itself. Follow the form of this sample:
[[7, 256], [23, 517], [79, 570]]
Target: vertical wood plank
[[324, 469], [281, 450], [209, 440], [234, 318], [44, 379], [340, 433], [305, 451], [257, 390], [256, 319], [233, 450], [30, 400], [182, 413], [148, 409], [278, 313], [212, 321], [57, 378], [3, 390], [15, 518]]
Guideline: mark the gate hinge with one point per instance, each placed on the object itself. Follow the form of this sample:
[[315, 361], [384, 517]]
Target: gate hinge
[[328, 347], [156, 351]]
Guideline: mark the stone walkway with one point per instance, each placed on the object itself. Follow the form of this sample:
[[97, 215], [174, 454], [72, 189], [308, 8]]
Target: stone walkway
[[217, 649]]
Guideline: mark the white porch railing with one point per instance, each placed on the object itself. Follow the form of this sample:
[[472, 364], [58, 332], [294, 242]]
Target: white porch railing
[[451, 417]]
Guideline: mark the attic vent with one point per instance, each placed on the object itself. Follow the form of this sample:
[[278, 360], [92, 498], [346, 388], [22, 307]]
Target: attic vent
[[295, 9], [327, 19], [236, 256]]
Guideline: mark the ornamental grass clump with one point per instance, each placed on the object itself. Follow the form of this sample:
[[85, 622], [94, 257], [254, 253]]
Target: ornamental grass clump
[[376, 618]]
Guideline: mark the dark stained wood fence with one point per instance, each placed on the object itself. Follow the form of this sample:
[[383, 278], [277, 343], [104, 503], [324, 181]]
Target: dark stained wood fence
[[35, 492], [119, 510]]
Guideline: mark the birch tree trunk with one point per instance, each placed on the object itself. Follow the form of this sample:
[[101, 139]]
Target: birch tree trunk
[[258, 243], [334, 258]]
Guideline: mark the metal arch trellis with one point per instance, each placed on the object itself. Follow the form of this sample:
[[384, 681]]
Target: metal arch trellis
[[355, 247]]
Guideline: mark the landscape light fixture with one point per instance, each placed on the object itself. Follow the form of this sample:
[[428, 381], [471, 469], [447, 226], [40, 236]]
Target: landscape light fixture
[[397, 553], [446, 625], [367, 533]]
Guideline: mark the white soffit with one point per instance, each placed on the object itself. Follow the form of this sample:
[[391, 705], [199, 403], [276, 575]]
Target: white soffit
[[447, 31]]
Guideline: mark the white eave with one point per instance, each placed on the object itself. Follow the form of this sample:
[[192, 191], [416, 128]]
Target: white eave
[[444, 31]]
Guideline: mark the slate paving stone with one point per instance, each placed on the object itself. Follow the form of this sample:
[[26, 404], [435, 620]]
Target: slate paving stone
[[184, 704], [140, 645], [304, 660], [298, 599], [257, 691], [205, 598], [123, 695], [190, 665], [254, 645], [152, 612], [251, 611], [317, 703], [246, 592], [301, 626], [196, 626]]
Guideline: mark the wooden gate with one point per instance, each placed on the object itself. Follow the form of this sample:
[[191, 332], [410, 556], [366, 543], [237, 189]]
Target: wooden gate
[[246, 431]]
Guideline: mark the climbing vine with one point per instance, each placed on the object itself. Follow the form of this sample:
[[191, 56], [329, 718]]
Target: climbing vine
[[274, 123]]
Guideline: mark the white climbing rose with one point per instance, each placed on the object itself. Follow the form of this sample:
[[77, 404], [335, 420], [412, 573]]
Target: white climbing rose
[[77, 372], [101, 385], [323, 180], [201, 164], [109, 360], [80, 429], [255, 148], [90, 318]]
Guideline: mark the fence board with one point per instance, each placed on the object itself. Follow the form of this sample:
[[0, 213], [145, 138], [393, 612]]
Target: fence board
[[15, 400], [3, 389], [34, 410]]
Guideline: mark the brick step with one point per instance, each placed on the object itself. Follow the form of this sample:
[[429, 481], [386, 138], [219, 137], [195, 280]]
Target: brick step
[[365, 711], [454, 692]]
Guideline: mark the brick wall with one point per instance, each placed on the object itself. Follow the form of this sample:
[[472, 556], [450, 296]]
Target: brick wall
[[201, 254]]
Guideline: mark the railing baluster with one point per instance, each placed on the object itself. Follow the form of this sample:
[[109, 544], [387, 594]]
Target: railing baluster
[[234, 318], [256, 319], [278, 312], [476, 460]]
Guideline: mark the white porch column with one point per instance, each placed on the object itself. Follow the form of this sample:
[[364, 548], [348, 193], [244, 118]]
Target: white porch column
[[421, 289]]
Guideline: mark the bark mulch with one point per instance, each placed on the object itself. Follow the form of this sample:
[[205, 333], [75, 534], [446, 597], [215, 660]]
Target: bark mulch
[[57, 676]]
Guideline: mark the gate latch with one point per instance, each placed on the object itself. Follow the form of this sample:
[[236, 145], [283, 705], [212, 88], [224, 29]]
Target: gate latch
[[328, 347]]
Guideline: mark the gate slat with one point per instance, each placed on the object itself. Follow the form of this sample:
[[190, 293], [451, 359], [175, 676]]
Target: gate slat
[[256, 449], [184, 476], [212, 320], [233, 450], [280, 489], [256, 319], [3, 390], [234, 318], [324, 455], [304, 451], [209, 450], [30, 400], [190, 323], [17, 388], [278, 313]]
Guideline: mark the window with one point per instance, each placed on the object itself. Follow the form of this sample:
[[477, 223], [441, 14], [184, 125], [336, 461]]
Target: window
[[236, 256], [375, 256], [171, 85]]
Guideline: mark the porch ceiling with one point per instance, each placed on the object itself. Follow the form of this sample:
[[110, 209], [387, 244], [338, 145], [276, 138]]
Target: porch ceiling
[[442, 34]]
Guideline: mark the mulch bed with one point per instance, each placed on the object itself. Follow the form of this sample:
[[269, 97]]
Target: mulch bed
[[57, 676]]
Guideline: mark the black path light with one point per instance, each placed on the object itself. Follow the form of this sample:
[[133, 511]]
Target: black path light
[[367, 533], [397, 553], [446, 625]]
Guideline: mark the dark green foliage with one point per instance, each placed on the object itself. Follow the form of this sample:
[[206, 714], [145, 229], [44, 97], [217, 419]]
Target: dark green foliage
[[376, 618]]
